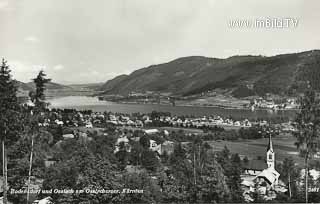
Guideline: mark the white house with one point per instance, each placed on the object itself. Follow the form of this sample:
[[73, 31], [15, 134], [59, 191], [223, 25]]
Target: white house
[[58, 122], [89, 125], [151, 131], [68, 136]]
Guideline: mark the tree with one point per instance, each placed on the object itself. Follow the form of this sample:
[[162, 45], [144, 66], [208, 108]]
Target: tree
[[82, 166], [9, 109], [231, 164], [149, 160], [122, 155], [149, 191], [38, 98], [307, 124], [136, 152], [145, 141], [234, 178], [289, 174], [198, 175], [213, 187]]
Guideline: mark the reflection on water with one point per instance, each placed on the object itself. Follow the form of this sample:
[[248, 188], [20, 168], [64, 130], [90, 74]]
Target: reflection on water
[[92, 103], [74, 101]]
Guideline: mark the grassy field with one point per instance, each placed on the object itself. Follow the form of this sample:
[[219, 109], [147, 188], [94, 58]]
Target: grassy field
[[221, 100], [283, 146]]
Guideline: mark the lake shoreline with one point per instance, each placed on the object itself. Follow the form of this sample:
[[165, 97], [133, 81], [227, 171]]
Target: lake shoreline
[[92, 103], [206, 106]]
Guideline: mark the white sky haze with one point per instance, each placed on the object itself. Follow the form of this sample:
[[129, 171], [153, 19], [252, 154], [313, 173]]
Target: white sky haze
[[85, 41]]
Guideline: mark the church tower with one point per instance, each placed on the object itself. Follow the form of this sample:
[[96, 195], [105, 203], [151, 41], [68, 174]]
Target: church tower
[[270, 155]]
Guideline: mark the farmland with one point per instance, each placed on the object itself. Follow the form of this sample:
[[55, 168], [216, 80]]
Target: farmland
[[283, 146]]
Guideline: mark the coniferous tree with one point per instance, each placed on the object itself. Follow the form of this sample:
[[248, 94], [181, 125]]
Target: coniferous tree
[[307, 124], [38, 97], [39, 100], [289, 174], [9, 109], [231, 164]]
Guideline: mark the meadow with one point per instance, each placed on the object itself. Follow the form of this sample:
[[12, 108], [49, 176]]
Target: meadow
[[283, 146]]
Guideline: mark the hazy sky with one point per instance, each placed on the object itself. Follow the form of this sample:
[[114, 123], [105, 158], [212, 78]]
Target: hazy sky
[[80, 41]]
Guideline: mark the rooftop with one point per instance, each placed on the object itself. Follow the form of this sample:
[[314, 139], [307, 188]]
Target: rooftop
[[255, 164]]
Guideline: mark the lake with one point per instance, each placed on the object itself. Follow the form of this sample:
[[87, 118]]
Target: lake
[[92, 103]]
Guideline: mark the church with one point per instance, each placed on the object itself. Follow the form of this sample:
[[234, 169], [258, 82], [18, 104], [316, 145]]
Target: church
[[269, 175], [262, 177]]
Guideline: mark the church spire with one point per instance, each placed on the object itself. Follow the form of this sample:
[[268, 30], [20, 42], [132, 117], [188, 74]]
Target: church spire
[[270, 154], [270, 147]]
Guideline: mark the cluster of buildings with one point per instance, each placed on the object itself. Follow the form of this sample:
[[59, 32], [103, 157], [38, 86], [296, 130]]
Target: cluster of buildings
[[261, 176], [269, 103], [196, 122], [97, 119], [89, 121], [206, 122], [166, 147]]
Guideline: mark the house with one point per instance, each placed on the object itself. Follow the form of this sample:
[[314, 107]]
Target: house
[[58, 122], [269, 175], [237, 123], [151, 131], [122, 140], [314, 174], [167, 147], [130, 122], [49, 161], [147, 119], [139, 123], [254, 167], [166, 132], [68, 136], [247, 123], [89, 125], [155, 147]]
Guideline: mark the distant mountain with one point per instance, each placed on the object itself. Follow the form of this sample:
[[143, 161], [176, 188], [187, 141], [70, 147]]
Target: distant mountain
[[23, 86], [240, 75], [31, 86], [50, 85], [89, 86], [111, 85]]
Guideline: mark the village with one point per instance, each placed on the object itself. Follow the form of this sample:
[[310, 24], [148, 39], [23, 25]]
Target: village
[[257, 175], [269, 103], [91, 119]]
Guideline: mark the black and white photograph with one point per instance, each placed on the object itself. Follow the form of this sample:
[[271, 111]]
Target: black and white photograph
[[159, 101]]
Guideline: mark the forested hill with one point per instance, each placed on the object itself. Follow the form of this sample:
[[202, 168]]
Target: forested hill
[[31, 86], [241, 75]]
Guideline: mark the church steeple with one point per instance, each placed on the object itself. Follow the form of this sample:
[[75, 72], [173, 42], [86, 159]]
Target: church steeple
[[270, 147], [270, 154]]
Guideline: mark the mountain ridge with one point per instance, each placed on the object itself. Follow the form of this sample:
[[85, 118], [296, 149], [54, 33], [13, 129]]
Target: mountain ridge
[[29, 86], [241, 75]]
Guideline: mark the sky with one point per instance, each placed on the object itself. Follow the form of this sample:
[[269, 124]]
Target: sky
[[88, 41]]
